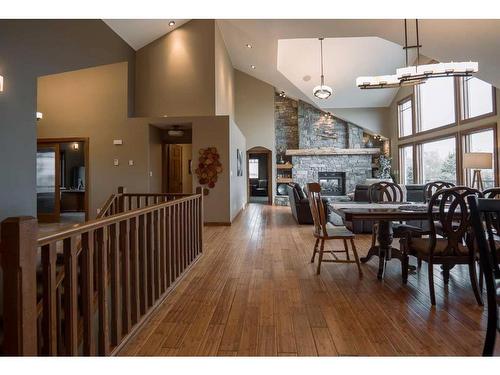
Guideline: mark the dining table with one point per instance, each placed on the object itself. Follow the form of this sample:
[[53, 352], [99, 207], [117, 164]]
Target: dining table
[[385, 213]]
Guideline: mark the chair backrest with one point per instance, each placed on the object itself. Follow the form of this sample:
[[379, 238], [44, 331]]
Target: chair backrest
[[317, 208], [492, 193], [448, 210], [385, 191], [433, 187], [483, 213]]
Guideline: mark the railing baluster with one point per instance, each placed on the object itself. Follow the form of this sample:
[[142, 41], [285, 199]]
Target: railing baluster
[[157, 251], [143, 269], [170, 257], [102, 263], [115, 286], [134, 271], [150, 258], [163, 248], [125, 256], [70, 296], [49, 320], [88, 292]]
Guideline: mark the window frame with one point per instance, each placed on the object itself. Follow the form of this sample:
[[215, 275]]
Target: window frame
[[418, 111], [458, 155], [401, 164], [408, 98], [250, 162], [460, 99], [463, 138]]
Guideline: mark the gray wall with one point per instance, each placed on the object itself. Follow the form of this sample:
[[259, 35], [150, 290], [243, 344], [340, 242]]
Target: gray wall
[[32, 48]]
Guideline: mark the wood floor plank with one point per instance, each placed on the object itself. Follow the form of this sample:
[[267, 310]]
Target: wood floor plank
[[255, 292]]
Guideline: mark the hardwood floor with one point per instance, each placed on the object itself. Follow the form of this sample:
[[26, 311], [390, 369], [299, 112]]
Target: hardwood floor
[[255, 292]]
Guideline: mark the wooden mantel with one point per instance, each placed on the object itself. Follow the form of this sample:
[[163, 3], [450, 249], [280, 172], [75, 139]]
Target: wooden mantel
[[332, 151]]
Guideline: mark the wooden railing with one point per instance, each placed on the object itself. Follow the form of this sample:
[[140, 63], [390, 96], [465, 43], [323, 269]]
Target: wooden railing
[[85, 290]]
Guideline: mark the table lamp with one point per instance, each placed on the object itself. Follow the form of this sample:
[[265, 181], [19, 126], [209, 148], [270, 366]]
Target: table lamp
[[477, 161]]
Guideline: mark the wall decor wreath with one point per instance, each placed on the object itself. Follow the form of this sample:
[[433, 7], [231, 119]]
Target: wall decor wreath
[[209, 166]]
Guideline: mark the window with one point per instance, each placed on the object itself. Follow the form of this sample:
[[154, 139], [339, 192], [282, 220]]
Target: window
[[476, 97], [439, 160], [482, 141], [435, 103], [253, 168], [406, 165], [405, 117]]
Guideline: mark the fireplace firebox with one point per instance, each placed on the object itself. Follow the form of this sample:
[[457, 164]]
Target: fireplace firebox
[[332, 183]]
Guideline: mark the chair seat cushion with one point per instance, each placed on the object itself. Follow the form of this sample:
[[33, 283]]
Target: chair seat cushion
[[401, 229], [421, 246], [337, 232]]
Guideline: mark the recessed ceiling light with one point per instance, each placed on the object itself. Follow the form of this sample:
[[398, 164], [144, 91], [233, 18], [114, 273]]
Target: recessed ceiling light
[[249, 45], [252, 66], [171, 23]]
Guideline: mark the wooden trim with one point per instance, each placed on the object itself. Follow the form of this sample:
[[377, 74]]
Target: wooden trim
[[86, 149], [332, 151], [217, 224], [480, 117], [463, 134], [407, 98]]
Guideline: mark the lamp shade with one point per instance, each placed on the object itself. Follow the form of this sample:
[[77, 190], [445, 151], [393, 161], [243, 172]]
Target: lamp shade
[[478, 160]]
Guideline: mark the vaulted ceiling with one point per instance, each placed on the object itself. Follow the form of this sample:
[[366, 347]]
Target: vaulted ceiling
[[285, 51]]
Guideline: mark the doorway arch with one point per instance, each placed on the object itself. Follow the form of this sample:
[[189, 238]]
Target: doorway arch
[[255, 185]]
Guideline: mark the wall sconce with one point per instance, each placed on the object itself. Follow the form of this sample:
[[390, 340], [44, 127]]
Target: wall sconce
[[76, 146], [1, 83], [39, 116]]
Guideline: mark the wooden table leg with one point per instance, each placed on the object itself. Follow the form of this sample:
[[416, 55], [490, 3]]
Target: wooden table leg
[[385, 237]]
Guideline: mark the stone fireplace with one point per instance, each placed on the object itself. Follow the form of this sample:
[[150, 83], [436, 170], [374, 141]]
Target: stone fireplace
[[322, 148], [332, 183]]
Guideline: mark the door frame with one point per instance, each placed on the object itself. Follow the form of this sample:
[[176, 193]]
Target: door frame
[[85, 141], [263, 151], [55, 215]]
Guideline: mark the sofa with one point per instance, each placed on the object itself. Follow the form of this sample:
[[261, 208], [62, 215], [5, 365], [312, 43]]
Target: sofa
[[299, 203], [413, 193]]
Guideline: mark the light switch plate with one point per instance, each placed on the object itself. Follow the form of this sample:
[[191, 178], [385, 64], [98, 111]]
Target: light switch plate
[[117, 141], [116, 162], [150, 174], [130, 162]]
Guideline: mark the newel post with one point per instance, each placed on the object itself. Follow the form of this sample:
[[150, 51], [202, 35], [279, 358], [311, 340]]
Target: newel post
[[121, 199], [18, 247]]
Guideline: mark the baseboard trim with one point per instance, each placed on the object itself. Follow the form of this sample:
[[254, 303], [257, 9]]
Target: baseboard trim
[[217, 224]]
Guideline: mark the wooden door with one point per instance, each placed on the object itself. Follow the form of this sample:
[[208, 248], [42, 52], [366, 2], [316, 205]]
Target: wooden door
[[175, 169], [48, 176]]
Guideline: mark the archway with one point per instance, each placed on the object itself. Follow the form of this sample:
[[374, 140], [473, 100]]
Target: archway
[[259, 175]]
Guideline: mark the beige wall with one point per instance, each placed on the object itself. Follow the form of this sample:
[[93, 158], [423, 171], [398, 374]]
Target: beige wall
[[93, 103], [155, 159], [175, 74], [254, 113], [374, 120], [224, 77], [238, 183]]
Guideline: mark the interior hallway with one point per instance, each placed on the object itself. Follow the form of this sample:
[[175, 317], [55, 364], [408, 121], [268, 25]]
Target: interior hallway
[[255, 292]]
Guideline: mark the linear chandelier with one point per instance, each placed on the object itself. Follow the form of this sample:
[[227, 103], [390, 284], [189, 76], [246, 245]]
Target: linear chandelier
[[322, 91], [417, 74]]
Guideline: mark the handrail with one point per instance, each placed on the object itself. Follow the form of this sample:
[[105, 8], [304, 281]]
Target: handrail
[[107, 220], [125, 263]]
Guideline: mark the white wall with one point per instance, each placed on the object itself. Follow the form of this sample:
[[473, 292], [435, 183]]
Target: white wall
[[238, 183], [374, 120], [224, 77], [254, 114]]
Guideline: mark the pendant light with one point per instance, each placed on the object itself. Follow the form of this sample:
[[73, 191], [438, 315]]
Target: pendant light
[[322, 91], [175, 132], [416, 74]]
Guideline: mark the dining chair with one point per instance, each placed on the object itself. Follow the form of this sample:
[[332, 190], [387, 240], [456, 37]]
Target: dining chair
[[389, 192], [484, 212], [492, 193], [433, 187], [450, 239], [324, 231]]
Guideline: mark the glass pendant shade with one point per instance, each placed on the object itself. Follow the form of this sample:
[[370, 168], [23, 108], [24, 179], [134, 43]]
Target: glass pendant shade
[[322, 91]]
